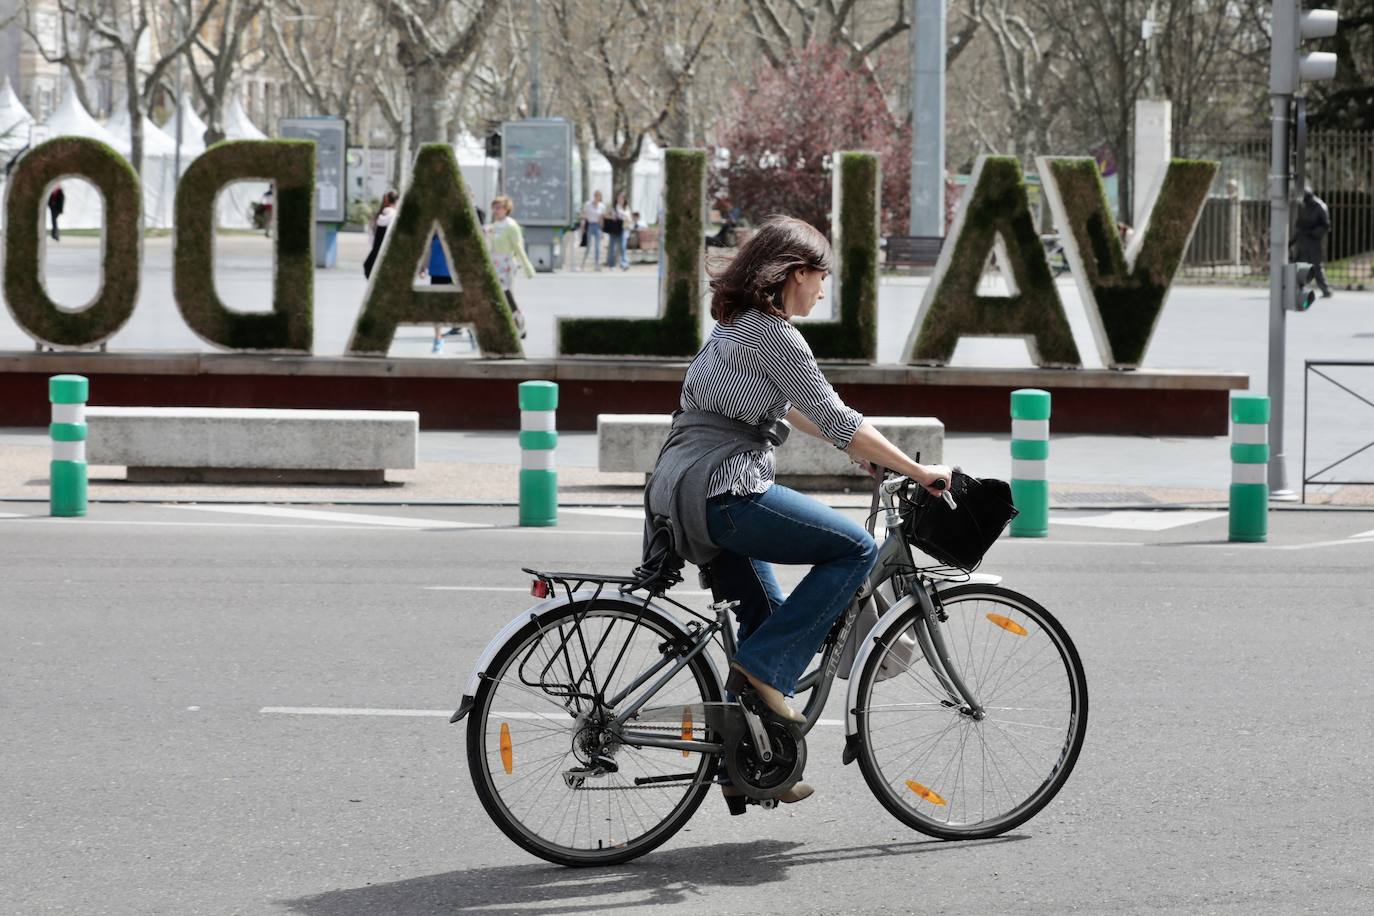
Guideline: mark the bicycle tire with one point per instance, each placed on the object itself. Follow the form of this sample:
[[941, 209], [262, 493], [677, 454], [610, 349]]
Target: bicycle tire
[[920, 792], [701, 674]]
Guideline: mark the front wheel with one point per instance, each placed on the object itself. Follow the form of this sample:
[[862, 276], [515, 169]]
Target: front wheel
[[939, 766]]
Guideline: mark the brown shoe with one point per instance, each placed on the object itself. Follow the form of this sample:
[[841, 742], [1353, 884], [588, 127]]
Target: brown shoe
[[772, 697], [735, 797]]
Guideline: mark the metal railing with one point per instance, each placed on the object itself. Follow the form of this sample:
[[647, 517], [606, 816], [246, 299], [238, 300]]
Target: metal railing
[[1232, 237], [1315, 367]]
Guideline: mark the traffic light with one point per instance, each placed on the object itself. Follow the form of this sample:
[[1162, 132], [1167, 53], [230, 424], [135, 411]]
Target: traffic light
[[1296, 295], [1289, 68], [494, 145]]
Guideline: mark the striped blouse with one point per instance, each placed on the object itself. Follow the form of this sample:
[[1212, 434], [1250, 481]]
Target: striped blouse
[[755, 370]]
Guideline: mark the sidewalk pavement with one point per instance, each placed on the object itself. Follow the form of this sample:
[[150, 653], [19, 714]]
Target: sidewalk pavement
[[483, 467]]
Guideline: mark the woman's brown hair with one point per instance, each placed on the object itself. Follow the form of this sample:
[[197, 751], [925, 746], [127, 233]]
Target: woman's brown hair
[[754, 278]]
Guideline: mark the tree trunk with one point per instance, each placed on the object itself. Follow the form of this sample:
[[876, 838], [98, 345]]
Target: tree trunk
[[622, 171], [584, 151], [428, 85], [679, 124], [134, 102]]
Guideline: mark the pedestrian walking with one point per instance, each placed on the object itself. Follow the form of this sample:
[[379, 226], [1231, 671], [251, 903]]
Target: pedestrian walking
[[1314, 222], [377, 226], [616, 225], [56, 201], [438, 276], [592, 212], [506, 243]]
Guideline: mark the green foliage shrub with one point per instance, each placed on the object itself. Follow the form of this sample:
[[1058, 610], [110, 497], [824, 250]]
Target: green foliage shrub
[[677, 330], [290, 166], [995, 206], [854, 336], [436, 199], [121, 248], [1124, 301]]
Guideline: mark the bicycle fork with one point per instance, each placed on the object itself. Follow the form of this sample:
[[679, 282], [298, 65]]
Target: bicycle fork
[[931, 639]]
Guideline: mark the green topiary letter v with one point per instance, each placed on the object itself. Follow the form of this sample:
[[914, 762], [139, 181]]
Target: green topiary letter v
[[1123, 291]]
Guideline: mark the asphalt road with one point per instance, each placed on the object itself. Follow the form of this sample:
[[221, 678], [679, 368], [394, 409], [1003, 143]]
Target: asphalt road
[[1226, 769]]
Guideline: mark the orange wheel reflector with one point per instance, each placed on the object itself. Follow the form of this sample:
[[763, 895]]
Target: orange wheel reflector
[[929, 795], [686, 727], [1006, 623], [507, 752]]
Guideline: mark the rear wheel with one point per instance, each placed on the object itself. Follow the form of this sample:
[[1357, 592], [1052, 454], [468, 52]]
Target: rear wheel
[[933, 762], [542, 760]]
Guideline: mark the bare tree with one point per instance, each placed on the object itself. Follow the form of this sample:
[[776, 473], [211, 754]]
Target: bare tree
[[218, 54], [621, 99], [430, 46], [124, 26], [1030, 71], [71, 46]]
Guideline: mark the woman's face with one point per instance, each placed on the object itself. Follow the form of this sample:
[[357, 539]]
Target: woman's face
[[498, 210], [805, 288]]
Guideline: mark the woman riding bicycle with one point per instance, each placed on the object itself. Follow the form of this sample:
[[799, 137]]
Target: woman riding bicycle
[[714, 476]]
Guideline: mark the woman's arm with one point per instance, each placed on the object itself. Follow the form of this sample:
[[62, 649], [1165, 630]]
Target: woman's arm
[[520, 254], [800, 421], [870, 445]]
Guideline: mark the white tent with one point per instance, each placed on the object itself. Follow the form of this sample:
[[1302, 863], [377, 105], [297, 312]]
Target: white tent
[[235, 207], [157, 176], [15, 124], [482, 175], [82, 208], [192, 131]]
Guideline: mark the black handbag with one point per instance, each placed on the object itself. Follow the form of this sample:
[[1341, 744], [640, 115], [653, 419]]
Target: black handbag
[[959, 536]]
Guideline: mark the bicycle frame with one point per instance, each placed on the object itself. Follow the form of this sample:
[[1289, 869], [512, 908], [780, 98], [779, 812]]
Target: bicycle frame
[[895, 561]]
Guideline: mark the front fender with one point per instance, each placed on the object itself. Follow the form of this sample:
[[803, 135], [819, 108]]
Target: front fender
[[523, 619]]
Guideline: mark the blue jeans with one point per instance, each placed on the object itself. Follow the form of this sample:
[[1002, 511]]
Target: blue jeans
[[779, 636], [593, 244], [615, 249]]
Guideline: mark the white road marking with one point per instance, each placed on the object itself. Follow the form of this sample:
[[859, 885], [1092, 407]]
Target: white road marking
[[1134, 520], [608, 512], [82, 522], [1364, 534], [1353, 539], [15, 515], [415, 713], [1058, 542], [357, 518]]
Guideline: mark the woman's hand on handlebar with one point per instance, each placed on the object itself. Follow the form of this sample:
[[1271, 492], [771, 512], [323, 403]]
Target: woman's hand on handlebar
[[936, 478]]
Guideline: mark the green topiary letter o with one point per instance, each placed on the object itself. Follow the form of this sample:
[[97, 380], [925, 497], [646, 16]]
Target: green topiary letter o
[[677, 332], [436, 199], [290, 166], [854, 337], [994, 210], [121, 244]]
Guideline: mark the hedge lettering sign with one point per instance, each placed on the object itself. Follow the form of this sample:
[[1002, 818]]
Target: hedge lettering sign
[[1123, 290]]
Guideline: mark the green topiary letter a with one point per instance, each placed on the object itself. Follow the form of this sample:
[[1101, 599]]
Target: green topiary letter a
[[438, 201], [995, 214]]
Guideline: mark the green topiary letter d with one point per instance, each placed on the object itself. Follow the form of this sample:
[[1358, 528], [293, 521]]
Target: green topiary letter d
[[290, 166]]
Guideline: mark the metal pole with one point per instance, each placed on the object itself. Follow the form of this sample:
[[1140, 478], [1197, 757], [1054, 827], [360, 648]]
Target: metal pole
[[534, 58], [927, 118], [1278, 257], [176, 162]]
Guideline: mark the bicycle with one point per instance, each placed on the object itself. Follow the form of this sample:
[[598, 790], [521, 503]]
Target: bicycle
[[966, 710]]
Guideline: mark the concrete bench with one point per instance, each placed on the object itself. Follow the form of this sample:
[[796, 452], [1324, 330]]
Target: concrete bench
[[630, 442], [245, 445]]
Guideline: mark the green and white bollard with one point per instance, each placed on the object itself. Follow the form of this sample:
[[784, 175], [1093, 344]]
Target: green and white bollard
[[67, 472], [538, 439], [1249, 520], [1030, 454]]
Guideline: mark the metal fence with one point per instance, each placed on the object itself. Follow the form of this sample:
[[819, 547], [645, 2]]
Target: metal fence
[[1232, 237], [1339, 429]]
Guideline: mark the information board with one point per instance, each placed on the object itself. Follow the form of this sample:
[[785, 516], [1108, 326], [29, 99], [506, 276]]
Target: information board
[[536, 170], [331, 158]]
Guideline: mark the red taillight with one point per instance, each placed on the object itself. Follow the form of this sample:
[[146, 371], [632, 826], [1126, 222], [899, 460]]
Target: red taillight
[[539, 588]]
